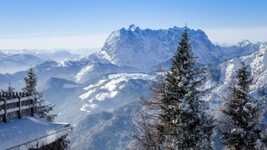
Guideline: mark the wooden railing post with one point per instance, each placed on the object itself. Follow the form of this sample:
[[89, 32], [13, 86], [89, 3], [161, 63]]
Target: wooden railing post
[[5, 109], [17, 105], [33, 106], [20, 115]]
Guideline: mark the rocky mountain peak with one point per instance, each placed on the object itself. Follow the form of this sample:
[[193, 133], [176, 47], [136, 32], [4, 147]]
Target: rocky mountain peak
[[145, 48], [244, 43]]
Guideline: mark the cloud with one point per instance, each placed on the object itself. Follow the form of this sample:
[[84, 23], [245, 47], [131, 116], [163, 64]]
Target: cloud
[[234, 35], [53, 42]]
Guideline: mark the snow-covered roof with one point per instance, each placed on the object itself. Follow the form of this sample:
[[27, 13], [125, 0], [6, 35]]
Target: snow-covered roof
[[30, 132]]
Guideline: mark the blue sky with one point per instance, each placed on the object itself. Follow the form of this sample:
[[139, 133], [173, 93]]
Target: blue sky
[[87, 23]]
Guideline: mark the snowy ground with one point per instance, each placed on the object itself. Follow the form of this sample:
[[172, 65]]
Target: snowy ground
[[30, 132]]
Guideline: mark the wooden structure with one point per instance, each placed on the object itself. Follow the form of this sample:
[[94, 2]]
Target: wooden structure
[[22, 106], [16, 105]]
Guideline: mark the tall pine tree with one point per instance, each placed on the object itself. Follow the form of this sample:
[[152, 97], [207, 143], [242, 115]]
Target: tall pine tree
[[242, 128], [10, 89], [181, 122], [183, 116], [30, 81], [42, 109]]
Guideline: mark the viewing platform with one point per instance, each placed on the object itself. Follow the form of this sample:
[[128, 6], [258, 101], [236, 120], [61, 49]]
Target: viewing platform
[[30, 132], [21, 129]]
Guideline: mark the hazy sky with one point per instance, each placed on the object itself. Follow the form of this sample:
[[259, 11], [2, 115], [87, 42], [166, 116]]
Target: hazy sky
[[86, 23]]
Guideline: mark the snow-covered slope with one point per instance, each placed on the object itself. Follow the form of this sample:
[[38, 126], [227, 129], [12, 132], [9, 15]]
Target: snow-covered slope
[[93, 70], [57, 90], [106, 130], [105, 93], [30, 133], [224, 73]]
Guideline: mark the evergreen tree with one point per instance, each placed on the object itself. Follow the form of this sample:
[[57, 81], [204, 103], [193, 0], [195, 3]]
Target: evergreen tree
[[183, 116], [10, 89], [42, 109], [181, 122], [31, 82], [242, 128]]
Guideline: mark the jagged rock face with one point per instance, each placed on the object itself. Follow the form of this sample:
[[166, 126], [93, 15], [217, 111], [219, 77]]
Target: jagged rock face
[[143, 49], [134, 49]]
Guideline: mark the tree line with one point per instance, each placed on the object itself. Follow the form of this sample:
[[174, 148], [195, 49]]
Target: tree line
[[175, 118]]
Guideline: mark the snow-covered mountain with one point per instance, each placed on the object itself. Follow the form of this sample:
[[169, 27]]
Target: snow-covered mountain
[[242, 48], [58, 55], [134, 49], [94, 93], [143, 49], [225, 72], [16, 62]]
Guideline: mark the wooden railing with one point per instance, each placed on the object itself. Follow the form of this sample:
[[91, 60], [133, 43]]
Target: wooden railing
[[16, 105]]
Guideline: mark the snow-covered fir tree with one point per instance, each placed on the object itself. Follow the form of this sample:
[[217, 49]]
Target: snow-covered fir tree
[[182, 108], [10, 89], [181, 121], [30, 81], [42, 108], [242, 127]]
